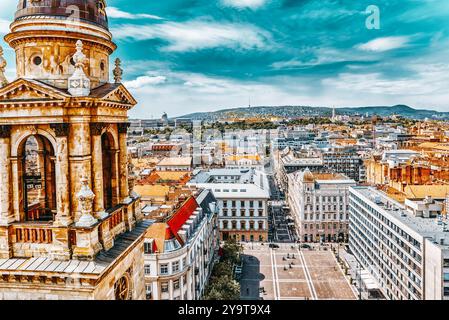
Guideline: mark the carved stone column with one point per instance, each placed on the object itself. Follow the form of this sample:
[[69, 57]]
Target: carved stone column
[[63, 217], [97, 169], [6, 210], [123, 161], [80, 157]]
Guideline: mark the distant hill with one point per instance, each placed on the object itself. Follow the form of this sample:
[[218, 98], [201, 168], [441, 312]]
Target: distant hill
[[301, 111]]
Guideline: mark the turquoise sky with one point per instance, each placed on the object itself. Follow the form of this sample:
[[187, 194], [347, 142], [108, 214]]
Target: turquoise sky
[[182, 56]]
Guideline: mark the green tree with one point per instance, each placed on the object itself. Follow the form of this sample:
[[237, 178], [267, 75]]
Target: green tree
[[223, 288], [231, 251]]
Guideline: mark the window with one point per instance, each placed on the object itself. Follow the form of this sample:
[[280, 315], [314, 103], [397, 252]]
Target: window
[[147, 269], [184, 263], [260, 225], [148, 247], [251, 204], [164, 268], [234, 225], [446, 276], [446, 291], [243, 225], [446, 263], [164, 287], [148, 291], [175, 266], [260, 204], [37, 60], [242, 203], [176, 284], [251, 225]]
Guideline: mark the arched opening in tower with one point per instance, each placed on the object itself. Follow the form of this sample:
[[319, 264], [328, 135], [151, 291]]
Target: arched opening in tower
[[38, 179], [109, 159]]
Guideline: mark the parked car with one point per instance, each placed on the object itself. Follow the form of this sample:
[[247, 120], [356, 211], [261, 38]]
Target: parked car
[[273, 246]]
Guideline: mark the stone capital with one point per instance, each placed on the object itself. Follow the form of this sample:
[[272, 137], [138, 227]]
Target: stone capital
[[5, 131], [96, 128], [60, 129], [123, 127]]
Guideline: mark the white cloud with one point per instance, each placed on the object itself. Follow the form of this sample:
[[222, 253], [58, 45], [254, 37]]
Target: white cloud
[[197, 35], [429, 80], [114, 12], [143, 81], [4, 26], [384, 44], [253, 4]]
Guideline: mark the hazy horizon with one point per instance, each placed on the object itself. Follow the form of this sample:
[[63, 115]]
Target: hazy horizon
[[184, 56]]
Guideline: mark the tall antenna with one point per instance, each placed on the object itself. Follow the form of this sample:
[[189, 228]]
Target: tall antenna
[[249, 102]]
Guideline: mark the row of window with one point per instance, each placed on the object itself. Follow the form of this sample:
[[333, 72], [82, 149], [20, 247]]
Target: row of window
[[323, 216], [233, 203], [242, 213], [329, 226], [233, 225], [164, 268]]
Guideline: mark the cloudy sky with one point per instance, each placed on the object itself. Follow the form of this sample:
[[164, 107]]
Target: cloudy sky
[[183, 56]]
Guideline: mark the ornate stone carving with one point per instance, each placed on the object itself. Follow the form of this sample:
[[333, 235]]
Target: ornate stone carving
[[118, 71], [123, 127], [85, 197], [60, 129], [5, 131], [79, 83], [96, 128], [3, 80], [132, 177]]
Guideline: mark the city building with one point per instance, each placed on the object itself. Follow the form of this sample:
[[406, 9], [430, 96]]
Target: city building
[[289, 161], [80, 234], [242, 198], [346, 161], [319, 205], [175, 164], [181, 248], [245, 161], [403, 246]]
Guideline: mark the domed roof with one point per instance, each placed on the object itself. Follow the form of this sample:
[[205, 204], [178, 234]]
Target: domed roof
[[90, 11]]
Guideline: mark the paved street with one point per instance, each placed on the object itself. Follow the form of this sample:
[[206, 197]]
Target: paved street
[[287, 273], [279, 230]]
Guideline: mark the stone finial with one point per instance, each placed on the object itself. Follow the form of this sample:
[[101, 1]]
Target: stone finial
[[118, 71], [85, 197], [79, 83], [3, 80]]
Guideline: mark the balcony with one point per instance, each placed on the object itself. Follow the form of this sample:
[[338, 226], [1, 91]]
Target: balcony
[[33, 233]]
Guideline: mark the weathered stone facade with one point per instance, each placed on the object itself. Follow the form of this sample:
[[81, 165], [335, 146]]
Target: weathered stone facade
[[64, 246]]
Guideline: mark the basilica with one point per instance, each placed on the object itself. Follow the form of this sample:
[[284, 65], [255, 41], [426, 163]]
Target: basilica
[[70, 223]]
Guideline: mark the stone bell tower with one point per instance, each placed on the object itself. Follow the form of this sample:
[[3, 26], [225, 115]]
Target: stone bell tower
[[64, 189]]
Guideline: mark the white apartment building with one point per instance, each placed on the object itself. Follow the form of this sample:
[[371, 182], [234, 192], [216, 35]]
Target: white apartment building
[[179, 254], [404, 247], [242, 200], [319, 205]]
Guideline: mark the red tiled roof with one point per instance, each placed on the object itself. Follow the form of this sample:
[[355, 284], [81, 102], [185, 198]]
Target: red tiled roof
[[182, 215]]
